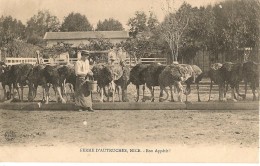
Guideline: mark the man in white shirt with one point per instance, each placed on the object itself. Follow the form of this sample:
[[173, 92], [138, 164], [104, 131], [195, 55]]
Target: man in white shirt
[[82, 94], [112, 56]]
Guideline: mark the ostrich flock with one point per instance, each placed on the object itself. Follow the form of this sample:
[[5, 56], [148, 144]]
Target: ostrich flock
[[112, 78]]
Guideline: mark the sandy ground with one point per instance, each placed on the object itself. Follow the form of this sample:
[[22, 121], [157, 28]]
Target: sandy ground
[[222, 131], [51, 128]]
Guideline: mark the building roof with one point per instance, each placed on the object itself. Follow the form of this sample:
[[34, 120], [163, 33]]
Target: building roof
[[86, 35]]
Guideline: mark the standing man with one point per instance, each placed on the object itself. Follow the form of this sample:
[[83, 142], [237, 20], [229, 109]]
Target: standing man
[[112, 56], [82, 94]]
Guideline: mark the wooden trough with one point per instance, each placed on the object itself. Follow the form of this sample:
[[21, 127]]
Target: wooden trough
[[136, 106]]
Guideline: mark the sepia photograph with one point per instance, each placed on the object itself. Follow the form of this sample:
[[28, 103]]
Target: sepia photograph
[[129, 81]]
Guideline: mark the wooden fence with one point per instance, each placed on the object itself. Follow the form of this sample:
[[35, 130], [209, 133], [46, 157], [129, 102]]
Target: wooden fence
[[133, 62], [14, 61], [129, 62]]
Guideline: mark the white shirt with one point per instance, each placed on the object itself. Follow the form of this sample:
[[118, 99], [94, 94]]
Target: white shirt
[[82, 67], [112, 55]]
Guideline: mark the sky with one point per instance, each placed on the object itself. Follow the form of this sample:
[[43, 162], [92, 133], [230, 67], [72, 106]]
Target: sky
[[95, 10]]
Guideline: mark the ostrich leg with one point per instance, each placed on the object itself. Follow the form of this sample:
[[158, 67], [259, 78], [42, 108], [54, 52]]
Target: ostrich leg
[[162, 88], [143, 100], [172, 99], [198, 93], [22, 93], [245, 88], [153, 94], [180, 91], [210, 90], [151, 91], [137, 90], [58, 89], [253, 87], [46, 89]]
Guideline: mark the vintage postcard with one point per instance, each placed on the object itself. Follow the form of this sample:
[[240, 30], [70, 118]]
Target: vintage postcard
[[151, 81]]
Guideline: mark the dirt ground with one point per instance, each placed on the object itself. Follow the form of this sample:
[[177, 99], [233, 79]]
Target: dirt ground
[[52, 128]]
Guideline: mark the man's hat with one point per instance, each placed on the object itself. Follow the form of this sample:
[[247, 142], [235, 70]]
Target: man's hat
[[86, 53]]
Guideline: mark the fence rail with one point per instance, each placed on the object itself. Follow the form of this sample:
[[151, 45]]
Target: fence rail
[[133, 62], [73, 60], [14, 61], [130, 62]]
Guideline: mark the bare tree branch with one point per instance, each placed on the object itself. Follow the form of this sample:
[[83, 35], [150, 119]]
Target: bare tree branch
[[173, 27]]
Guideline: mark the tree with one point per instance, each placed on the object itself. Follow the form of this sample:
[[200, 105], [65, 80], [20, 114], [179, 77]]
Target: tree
[[57, 49], [137, 24], [144, 33], [39, 24], [10, 29], [236, 25], [152, 22], [19, 48], [174, 25], [109, 25], [99, 44], [76, 22], [153, 32], [140, 46], [198, 35]]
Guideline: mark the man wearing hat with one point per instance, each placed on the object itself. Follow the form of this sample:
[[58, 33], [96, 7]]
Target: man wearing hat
[[82, 94], [112, 56]]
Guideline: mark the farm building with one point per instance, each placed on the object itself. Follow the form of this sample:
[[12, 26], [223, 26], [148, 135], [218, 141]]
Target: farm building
[[77, 38]]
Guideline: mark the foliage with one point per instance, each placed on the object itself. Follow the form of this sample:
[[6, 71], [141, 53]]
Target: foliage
[[152, 22], [109, 25], [10, 29], [76, 22], [144, 33], [236, 24], [18, 48], [137, 46], [173, 26], [137, 24], [221, 28], [57, 49], [198, 34], [99, 44], [39, 24]]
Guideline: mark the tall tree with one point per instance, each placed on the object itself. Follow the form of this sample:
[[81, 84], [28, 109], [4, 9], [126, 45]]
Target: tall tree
[[174, 25], [197, 36], [153, 29], [76, 22], [10, 29], [222, 29], [39, 24], [145, 35], [109, 25], [152, 22], [236, 25], [137, 24]]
